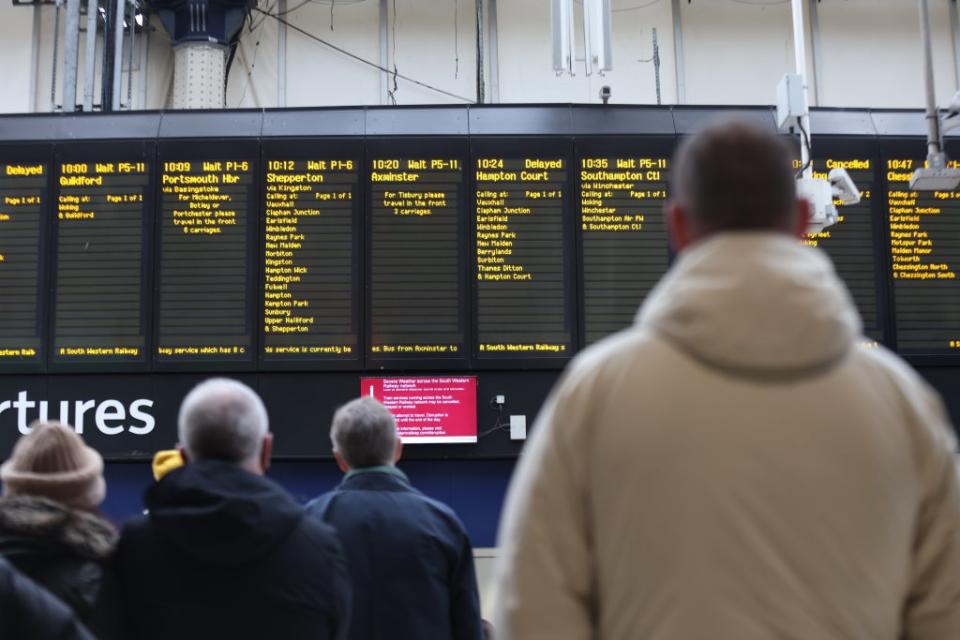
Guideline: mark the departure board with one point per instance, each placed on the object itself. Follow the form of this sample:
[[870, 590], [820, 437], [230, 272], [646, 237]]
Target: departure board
[[524, 278], [925, 258], [103, 211], [416, 252], [311, 254], [852, 242], [24, 179], [622, 187], [206, 286]]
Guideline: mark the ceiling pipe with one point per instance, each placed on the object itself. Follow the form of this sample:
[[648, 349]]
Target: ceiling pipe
[[90, 55], [71, 55], [480, 81], [800, 59]]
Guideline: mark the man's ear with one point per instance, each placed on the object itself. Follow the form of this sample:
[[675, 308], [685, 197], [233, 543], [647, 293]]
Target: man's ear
[[803, 215], [341, 463], [183, 453], [398, 451], [678, 226], [266, 451]]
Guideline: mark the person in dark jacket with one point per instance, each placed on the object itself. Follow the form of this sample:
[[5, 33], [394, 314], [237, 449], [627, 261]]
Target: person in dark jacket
[[224, 552], [29, 611], [410, 557], [50, 530]]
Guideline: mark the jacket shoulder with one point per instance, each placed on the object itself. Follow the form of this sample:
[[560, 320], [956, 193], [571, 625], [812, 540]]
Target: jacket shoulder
[[26, 610], [314, 527], [921, 405], [317, 506], [136, 543], [899, 375], [612, 354], [885, 360], [633, 354], [133, 528], [317, 535], [411, 501], [442, 510], [314, 554], [439, 512]]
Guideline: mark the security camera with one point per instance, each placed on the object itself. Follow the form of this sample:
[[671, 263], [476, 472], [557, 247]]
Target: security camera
[[823, 213], [951, 119], [605, 93], [842, 186], [954, 103]]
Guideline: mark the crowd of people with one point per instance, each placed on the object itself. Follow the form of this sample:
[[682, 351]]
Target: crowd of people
[[734, 467], [224, 552]]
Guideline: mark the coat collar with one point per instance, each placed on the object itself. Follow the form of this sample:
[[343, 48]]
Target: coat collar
[[36, 518], [380, 478], [381, 468]]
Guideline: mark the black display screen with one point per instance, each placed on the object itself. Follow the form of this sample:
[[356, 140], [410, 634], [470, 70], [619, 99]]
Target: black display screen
[[624, 249], [300, 250], [24, 201], [311, 232], [416, 250], [206, 284], [854, 242], [924, 239], [522, 240], [103, 213]]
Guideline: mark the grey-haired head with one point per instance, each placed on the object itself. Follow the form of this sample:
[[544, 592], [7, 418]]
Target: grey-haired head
[[364, 434]]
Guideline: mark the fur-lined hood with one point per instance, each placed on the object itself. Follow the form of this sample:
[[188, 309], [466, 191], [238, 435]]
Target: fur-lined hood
[[49, 522]]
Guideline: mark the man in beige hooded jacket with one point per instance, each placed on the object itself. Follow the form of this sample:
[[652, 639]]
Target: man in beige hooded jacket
[[737, 466]]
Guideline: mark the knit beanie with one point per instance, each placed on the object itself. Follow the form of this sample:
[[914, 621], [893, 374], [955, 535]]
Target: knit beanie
[[53, 462]]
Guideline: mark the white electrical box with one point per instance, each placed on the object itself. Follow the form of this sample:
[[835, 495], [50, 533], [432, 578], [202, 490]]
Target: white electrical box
[[791, 101], [820, 196], [518, 427], [935, 179]]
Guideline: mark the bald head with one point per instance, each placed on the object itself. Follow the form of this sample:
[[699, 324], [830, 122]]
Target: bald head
[[222, 419], [735, 176]]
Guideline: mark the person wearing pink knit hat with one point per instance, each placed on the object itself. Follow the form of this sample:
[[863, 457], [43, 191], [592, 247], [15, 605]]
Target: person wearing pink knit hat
[[50, 526]]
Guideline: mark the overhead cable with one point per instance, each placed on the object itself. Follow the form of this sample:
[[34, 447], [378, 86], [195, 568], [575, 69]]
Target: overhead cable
[[645, 5], [760, 3], [360, 59]]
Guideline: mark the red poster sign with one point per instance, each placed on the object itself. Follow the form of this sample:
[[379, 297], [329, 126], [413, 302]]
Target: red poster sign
[[429, 409]]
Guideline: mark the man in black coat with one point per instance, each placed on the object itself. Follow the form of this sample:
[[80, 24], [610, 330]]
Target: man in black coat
[[224, 552], [29, 611], [410, 557]]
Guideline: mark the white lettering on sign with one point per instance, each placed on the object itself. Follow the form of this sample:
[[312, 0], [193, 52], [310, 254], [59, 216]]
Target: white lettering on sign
[[110, 417]]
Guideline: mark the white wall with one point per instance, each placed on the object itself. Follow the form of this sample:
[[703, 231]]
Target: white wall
[[872, 54], [433, 43], [526, 55], [735, 52], [16, 44]]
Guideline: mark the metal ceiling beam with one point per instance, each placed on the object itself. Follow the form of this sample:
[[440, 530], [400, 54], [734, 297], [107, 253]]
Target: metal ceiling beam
[[955, 34], [384, 53], [678, 61], [481, 88], [71, 55], [816, 49], [493, 55], [90, 55], [282, 54]]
